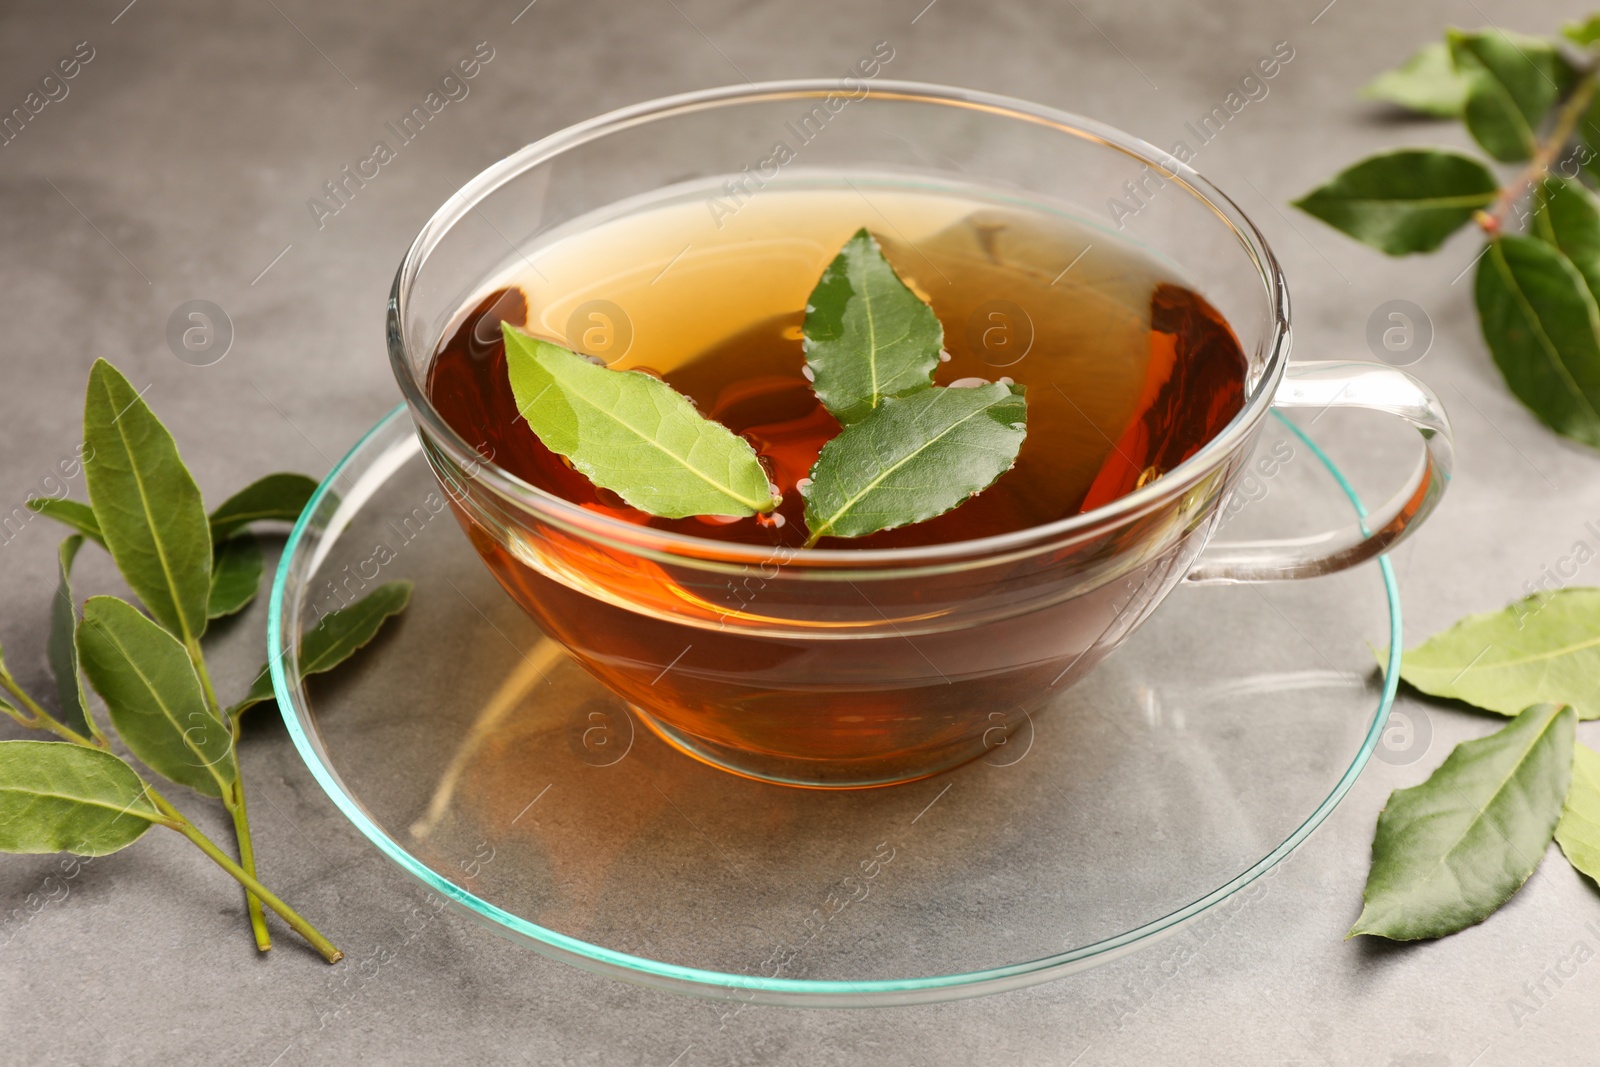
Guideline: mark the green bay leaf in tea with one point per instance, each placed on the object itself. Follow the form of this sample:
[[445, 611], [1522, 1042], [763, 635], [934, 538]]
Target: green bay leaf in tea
[[867, 335], [914, 457], [633, 434]]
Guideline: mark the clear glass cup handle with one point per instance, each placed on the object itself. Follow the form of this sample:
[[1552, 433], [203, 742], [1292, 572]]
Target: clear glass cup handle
[[1346, 385]]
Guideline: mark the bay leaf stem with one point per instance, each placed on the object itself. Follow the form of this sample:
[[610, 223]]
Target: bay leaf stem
[[198, 658], [1493, 221], [100, 740], [244, 878], [37, 718], [233, 800], [247, 859]]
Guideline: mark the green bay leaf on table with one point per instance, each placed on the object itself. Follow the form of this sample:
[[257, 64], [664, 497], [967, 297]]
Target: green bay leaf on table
[[340, 634], [867, 335], [1567, 216], [1450, 851], [1426, 82], [236, 568], [1578, 832], [1542, 649], [60, 797], [634, 434], [60, 648], [153, 696], [1403, 201], [1543, 327], [147, 504], [915, 457], [274, 498], [260, 692], [70, 513], [336, 637], [1512, 83]]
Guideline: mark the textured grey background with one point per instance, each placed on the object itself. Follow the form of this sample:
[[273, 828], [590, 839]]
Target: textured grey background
[[178, 167]]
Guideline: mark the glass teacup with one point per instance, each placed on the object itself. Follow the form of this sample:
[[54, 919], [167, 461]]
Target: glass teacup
[[841, 668]]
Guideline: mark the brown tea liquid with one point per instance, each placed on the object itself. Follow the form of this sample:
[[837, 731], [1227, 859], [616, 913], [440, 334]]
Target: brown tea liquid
[[1127, 371], [848, 684]]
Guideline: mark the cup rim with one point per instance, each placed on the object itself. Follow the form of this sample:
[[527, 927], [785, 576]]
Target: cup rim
[[647, 539]]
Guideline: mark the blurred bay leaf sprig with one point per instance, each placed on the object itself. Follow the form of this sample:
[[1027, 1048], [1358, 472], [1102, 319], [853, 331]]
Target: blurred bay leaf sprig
[[1530, 103], [1449, 851], [186, 567]]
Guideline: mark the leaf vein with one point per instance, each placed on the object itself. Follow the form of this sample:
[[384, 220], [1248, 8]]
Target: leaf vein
[[1537, 326]]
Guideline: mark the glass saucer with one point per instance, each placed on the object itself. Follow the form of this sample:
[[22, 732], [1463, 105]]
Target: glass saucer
[[469, 749]]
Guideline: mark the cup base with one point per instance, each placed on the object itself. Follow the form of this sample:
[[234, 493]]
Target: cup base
[[796, 773]]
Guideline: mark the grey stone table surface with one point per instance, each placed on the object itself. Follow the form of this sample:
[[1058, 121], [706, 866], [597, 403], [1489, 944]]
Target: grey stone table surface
[[178, 167]]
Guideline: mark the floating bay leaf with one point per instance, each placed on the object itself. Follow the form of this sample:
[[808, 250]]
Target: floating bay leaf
[[1404, 201], [867, 335], [1450, 851], [59, 797], [153, 696], [634, 434], [914, 457]]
